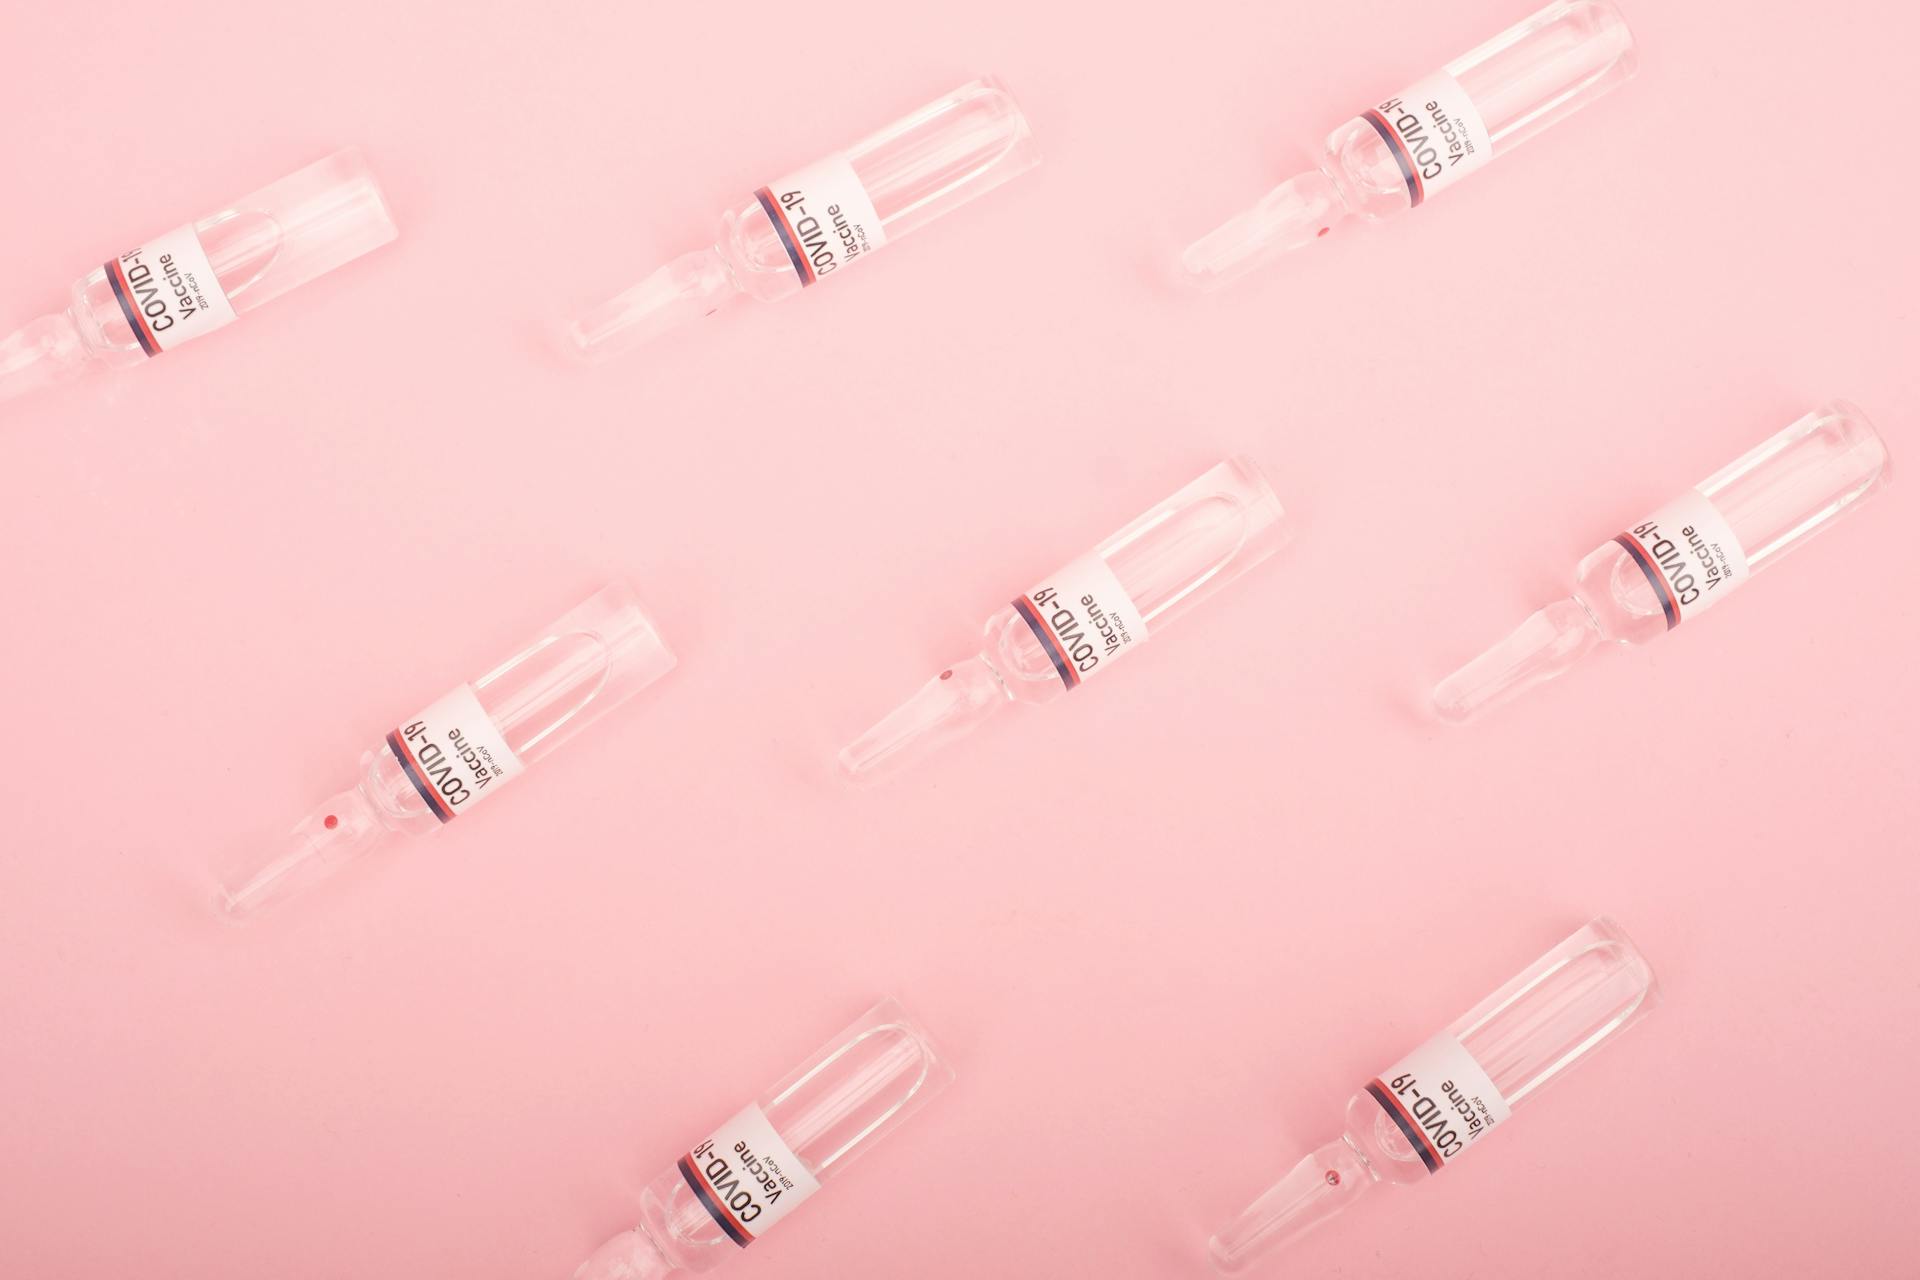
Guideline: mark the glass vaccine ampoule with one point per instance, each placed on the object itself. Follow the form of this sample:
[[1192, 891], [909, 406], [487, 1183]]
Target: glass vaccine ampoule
[[204, 275], [442, 763], [1688, 556], [1440, 1101], [1078, 622], [814, 223], [727, 1191], [1422, 140]]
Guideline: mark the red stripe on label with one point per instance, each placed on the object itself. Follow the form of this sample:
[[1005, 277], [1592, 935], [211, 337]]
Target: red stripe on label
[[1059, 645], [440, 807], [793, 236], [707, 1182], [140, 316], [1659, 572], [1399, 144], [1413, 1126]]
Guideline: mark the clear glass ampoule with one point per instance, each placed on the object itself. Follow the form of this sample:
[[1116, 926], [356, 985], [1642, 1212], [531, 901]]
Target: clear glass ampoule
[[1427, 1110], [202, 276], [814, 223], [1082, 619], [1687, 556], [728, 1191], [1419, 141], [440, 764]]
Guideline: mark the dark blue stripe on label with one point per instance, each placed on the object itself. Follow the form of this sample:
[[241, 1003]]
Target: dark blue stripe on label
[[1400, 157], [131, 312], [434, 802], [1668, 605], [711, 1206], [779, 220], [1421, 1147], [1068, 675]]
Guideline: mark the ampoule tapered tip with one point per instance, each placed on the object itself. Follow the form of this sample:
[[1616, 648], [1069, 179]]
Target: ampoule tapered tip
[[321, 843], [40, 354], [1546, 644], [631, 1255], [1314, 1190], [691, 286], [946, 707], [1295, 213]]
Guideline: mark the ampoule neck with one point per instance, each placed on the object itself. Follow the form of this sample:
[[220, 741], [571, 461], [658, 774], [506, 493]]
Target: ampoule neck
[[1297, 212], [46, 351], [631, 1255], [1367, 1165], [691, 286], [951, 704], [1547, 644], [1314, 1190], [340, 829]]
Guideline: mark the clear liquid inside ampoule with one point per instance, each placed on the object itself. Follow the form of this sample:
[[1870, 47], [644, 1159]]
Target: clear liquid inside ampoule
[[1572, 1000], [1522, 81], [916, 169], [1581, 994], [1163, 564], [594, 657], [1775, 496], [530, 697], [826, 1113], [241, 247]]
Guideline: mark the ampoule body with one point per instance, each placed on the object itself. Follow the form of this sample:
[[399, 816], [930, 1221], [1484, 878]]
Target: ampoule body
[[442, 762], [811, 225], [1416, 143], [1689, 555], [1079, 621], [200, 277], [1440, 1101], [717, 1198]]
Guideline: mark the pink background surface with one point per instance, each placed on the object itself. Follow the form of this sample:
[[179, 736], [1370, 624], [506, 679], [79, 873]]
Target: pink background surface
[[1163, 930]]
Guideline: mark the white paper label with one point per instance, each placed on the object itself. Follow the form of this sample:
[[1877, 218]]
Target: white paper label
[[1440, 1100], [824, 218], [1689, 554], [453, 754], [746, 1177], [1083, 619], [167, 291], [1435, 132]]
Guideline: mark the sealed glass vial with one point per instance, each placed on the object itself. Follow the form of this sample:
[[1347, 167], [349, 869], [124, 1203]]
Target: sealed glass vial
[[441, 763], [811, 225], [1688, 556], [730, 1189], [1443, 1099], [1075, 624], [204, 275], [1415, 143]]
